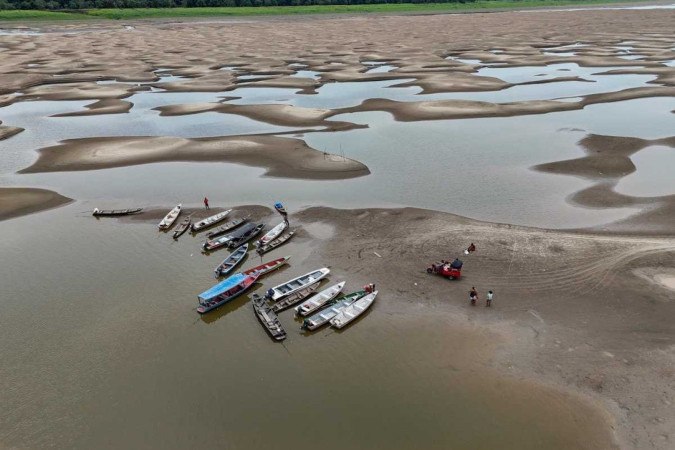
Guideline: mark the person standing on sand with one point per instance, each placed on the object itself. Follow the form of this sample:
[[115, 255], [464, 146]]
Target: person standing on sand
[[473, 295], [206, 203], [488, 298]]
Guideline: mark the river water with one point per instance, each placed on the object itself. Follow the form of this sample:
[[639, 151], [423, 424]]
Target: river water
[[101, 346]]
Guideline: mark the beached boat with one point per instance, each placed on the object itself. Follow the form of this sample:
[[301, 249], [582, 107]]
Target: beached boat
[[227, 239], [232, 261], [268, 318], [353, 311], [115, 212], [280, 209], [278, 292], [272, 234], [268, 267], [245, 234], [225, 291], [170, 218], [318, 301], [226, 227], [323, 317], [295, 297], [210, 221], [182, 228], [262, 249]]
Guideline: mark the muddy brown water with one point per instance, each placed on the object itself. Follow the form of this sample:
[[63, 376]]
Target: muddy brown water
[[102, 348]]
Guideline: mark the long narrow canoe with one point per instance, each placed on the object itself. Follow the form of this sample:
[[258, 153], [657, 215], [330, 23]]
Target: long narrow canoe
[[232, 261], [353, 311], [296, 297], [226, 239], [225, 291], [278, 292], [272, 234], [268, 267], [115, 212], [323, 317], [210, 221], [262, 249], [182, 228], [268, 318], [319, 300], [226, 227], [170, 218]]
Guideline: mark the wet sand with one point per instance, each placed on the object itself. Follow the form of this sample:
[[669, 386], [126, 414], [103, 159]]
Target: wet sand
[[282, 157], [568, 308], [15, 202]]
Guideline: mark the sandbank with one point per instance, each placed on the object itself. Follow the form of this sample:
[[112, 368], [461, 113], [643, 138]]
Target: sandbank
[[15, 202], [281, 157]]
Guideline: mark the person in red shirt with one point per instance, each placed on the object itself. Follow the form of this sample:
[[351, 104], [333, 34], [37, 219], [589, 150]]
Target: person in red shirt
[[206, 203]]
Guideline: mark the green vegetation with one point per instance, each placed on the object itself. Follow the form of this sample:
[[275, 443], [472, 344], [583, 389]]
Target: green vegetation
[[39, 15], [375, 6]]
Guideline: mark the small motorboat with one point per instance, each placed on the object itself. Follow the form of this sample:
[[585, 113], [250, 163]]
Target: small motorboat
[[233, 260], [296, 297], [115, 212], [170, 218], [278, 292], [262, 249], [272, 234], [210, 221], [268, 267], [233, 239], [226, 227], [182, 228], [323, 317], [319, 300], [240, 235], [225, 291], [353, 311], [268, 318]]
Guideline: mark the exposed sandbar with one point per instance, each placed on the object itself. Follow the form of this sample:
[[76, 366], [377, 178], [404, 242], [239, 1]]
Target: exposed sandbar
[[282, 157], [15, 202], [7, 132], [108, 106]]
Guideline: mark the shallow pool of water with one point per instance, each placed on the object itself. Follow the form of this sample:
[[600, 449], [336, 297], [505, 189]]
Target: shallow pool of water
[[654, 175]]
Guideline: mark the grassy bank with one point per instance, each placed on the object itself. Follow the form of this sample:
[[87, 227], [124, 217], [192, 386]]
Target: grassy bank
[[147, 13]]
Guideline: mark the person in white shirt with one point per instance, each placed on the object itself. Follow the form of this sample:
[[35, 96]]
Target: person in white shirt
[[488, 301]]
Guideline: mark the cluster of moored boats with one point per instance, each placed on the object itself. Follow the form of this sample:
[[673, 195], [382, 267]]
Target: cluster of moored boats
[[317, 307]]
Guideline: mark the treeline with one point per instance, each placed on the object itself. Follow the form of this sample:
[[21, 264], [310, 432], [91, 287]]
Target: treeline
[[89, 4]]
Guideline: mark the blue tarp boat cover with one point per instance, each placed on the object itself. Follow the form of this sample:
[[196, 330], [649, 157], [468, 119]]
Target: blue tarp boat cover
[[225, 285]]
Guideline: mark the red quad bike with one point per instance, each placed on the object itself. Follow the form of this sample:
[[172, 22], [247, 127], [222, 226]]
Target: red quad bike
[[447, 269]]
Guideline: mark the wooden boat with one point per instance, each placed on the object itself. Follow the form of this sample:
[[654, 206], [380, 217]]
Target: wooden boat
[[232, 261], [170, 218], [182, 228], [296, 297], [115, 212], [280, 209], [323, 317], [240, 235], [319, 300], [278, 292], [353, 311], [272, 234], [210, 221], [261, 250], [226, 227], [268, 267], [268, 318], [225, 291], [226, 239]]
